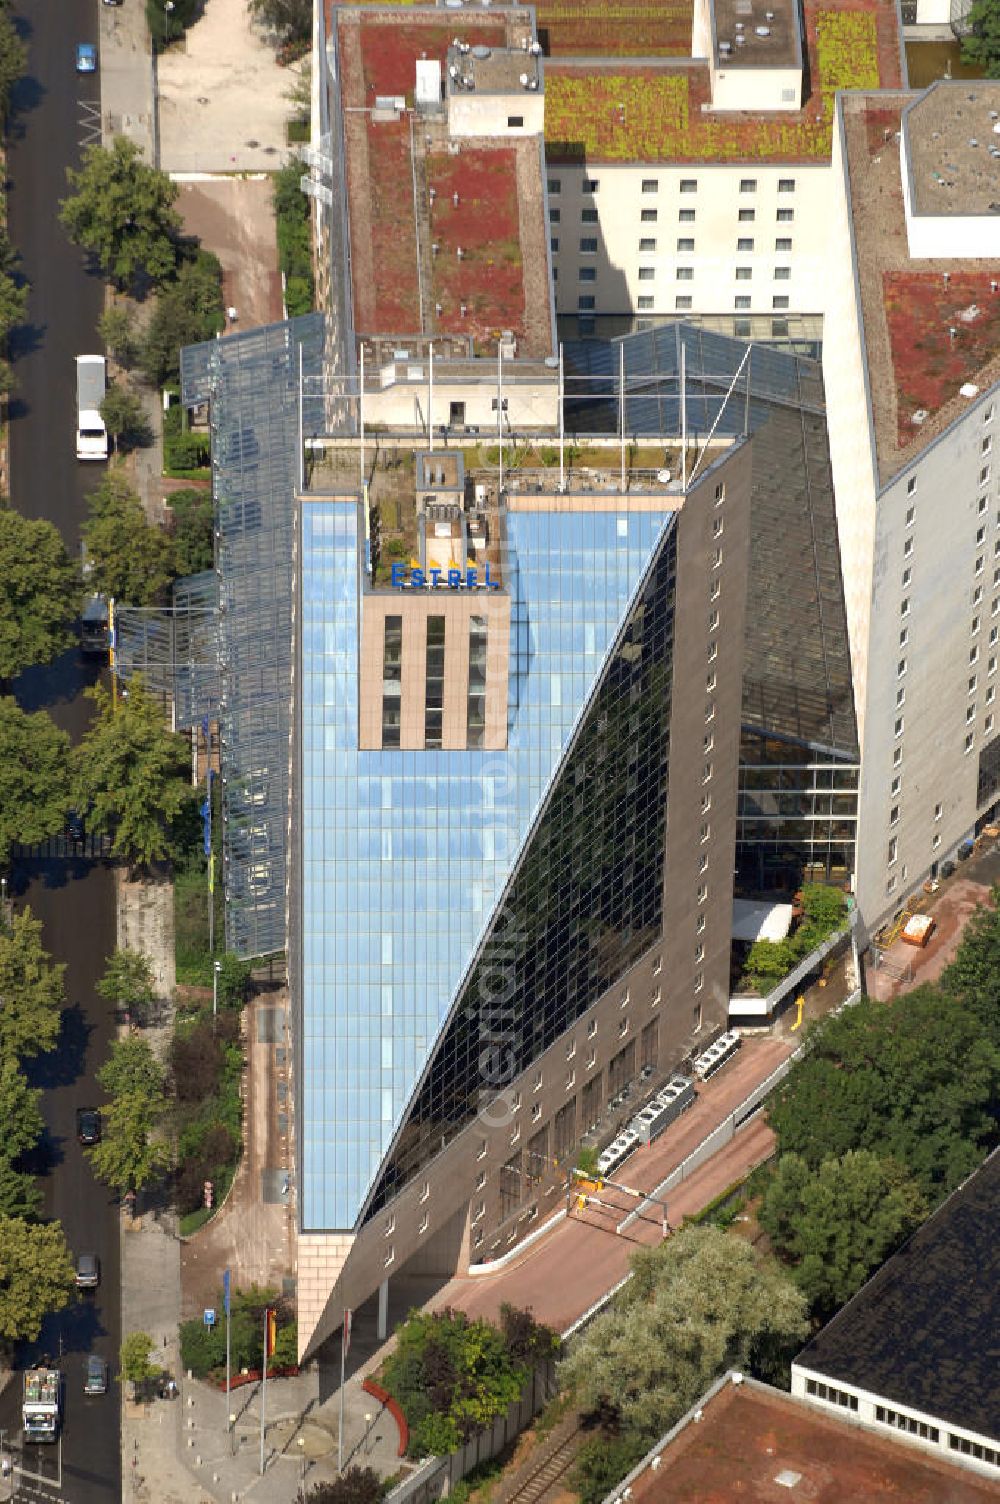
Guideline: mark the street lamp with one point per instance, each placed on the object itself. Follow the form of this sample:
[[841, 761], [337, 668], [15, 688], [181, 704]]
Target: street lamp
[[232, 1434], [215, 989], [168, 6], [368, 1432], [300, 1442]]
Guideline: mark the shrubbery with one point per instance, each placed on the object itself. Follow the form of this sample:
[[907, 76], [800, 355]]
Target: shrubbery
[[824, 910], [452, 1376], [207, 1062], [294, 250], [203, 1349]]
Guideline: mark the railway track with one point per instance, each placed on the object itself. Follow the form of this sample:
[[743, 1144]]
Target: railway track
[[550, 1472]]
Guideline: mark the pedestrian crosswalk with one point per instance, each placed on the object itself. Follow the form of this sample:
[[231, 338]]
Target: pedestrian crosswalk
[[62, 848]]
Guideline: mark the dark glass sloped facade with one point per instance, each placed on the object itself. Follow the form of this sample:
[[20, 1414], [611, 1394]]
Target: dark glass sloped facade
[[585, 900]]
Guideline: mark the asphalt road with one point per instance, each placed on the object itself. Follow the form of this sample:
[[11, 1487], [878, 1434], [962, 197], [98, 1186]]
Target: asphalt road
[[54, 114]]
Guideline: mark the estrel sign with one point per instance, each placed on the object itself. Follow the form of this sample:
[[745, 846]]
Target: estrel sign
[[449, 579]]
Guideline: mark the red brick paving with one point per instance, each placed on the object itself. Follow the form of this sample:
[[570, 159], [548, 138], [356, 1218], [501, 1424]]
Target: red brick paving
[[952, 910], [586, 1243]]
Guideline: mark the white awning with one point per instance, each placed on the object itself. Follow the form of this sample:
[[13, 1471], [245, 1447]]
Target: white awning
[[760, 921]]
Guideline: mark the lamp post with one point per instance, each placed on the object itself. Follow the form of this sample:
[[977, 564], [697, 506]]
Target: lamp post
[[368, 1432], [232, 1433], [168, 6], [300, 1442], [217, 967]]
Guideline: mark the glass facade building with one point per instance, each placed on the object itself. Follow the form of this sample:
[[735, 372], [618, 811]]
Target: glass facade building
[[427, 877]]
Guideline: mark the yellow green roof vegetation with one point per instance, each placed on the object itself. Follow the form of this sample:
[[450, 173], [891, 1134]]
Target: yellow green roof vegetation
[[646, 115]]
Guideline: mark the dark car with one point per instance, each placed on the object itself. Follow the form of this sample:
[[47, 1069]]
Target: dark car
[[88, 1271], [76, 830], [96, 1381], [88, 1125]]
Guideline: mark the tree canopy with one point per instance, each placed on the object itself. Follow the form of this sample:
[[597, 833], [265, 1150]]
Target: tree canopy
[[132, 1151], [31, 991], [188, 310], [40, 593], [36, 1276], [13, 59], [116, 326], [981, 44], [122, 211], [132, 1069], [131, 558], [125, 417], [128, 981], [973, 978], [132, 774], [915, 1081], [838, 1223], [135, 1359], [34, 777], [290, 19], [20, 1113], [191, 529], [697, 1304]]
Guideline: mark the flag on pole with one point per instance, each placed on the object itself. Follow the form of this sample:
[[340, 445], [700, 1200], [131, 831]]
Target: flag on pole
[[225, 1292], [272, 1332], [347, 1332], [211, 871]]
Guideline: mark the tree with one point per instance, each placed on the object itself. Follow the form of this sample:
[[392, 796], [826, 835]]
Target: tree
[[191, 529], [36, 1276], [981, 45], [235, 975], [116, 326], [128, 981], [188, 310], [132, 1151], [132, 774], [13, 288], [973, 978], [356, 1485], [698, 1304], [915, 1081], [13, 60], [131, 557], [125, 418], [840, 1222], [132, 1069], [34, 777], [290, 19], [19, 1193], [168, 25], [20, 1113], [135, 1365], [31, 991], [40, 593], [122, 211]]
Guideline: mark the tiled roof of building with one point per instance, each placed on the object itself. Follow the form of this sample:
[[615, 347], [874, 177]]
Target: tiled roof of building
[[923, 1330]]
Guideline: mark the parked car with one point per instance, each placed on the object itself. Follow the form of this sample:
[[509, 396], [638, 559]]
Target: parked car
[[96, 1381], [76, 829], [88, 1125], [88, 1271], [86, 57]]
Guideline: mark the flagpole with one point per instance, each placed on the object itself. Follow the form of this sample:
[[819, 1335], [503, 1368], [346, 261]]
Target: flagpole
[[229, 1424], [263, 1390]]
